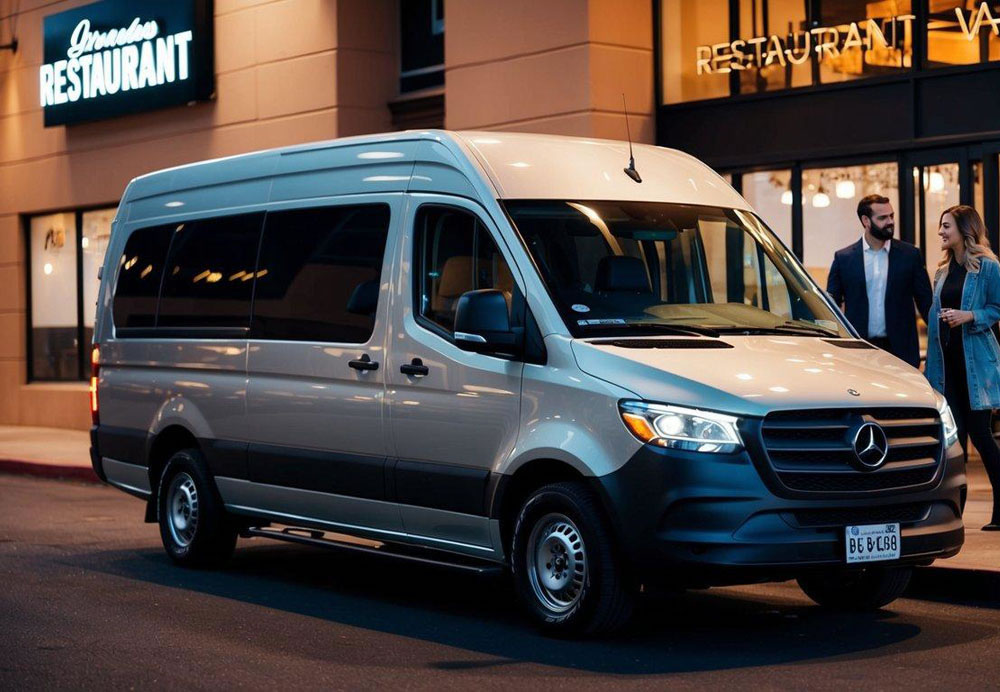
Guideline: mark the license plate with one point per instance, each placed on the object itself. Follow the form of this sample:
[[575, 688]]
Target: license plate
[[872, 543]]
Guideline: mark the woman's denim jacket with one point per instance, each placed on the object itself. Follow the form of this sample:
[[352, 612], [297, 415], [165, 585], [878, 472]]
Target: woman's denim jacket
[[981, 295]]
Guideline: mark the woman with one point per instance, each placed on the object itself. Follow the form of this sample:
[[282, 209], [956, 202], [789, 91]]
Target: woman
[[962, 353]]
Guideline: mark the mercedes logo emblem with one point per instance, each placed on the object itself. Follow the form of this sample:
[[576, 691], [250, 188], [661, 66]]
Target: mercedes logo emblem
[[854, 392], [870, 446]]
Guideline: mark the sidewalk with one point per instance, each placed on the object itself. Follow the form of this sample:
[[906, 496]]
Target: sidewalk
[[58, 453]]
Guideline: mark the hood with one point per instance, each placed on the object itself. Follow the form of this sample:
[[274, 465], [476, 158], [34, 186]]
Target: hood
[[754, 375]]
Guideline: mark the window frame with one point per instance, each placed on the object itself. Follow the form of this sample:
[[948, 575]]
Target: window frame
[[416, 260], [83, 349], [386, 256]]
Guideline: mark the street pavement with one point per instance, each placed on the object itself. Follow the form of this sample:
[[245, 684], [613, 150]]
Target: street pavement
[[89, 600]]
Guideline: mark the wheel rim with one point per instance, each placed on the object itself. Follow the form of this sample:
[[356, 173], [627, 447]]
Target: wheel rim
[[557, 562], [182, 509]]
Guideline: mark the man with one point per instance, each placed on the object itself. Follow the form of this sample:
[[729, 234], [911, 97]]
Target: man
[[878, 279]]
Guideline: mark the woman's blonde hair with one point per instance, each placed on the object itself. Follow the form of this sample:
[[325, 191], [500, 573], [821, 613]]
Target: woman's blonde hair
[[973, 230]]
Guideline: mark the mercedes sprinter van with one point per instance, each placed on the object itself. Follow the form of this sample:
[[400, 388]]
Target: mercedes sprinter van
[[507, 352]]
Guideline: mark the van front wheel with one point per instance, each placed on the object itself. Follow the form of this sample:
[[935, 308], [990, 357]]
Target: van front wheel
[[195, 529], [565, 566], [858, 590]]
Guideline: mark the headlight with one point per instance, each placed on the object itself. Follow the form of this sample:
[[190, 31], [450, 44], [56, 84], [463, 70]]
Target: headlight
[[681, 428], [950, 427]]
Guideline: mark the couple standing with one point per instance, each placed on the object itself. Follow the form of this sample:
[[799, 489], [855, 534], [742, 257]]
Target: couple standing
[[877, 280]]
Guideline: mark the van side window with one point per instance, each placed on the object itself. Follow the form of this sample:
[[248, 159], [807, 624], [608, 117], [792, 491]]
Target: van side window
[[319, 274], [139, 273], [454, 253], [209, 273]]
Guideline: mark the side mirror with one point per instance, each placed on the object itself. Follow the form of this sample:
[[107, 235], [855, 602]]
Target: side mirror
[[482, 324]]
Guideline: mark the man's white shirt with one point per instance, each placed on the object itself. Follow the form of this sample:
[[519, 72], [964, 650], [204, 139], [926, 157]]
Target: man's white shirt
[[876, 277]]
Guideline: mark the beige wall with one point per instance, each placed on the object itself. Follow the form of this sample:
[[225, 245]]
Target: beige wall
[[556, 66], [287, 71]]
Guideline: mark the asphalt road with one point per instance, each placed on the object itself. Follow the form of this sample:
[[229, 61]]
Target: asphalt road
[[89, 600]]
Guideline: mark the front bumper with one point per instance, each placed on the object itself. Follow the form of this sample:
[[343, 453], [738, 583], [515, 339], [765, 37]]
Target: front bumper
[[703, 519]]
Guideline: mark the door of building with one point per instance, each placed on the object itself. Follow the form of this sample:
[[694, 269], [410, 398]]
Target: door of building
[[941, 178]]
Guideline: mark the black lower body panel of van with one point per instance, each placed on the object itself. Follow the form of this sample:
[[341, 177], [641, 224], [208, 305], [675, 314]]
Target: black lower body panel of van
[[709, 519]]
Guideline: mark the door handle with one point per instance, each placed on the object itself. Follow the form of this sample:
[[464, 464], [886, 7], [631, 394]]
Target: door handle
[[363, 363], [415, 368]]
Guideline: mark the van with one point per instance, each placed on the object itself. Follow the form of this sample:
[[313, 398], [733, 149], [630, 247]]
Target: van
[[508, 352]]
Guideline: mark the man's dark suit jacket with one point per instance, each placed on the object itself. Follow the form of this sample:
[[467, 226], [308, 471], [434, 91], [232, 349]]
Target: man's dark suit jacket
[[906, 284]]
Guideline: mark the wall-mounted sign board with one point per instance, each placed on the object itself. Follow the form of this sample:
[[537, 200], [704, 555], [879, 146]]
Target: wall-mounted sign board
[[116, 57]]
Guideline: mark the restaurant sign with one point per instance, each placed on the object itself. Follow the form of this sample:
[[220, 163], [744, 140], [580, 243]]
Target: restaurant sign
[[116, 57], [826, 42]]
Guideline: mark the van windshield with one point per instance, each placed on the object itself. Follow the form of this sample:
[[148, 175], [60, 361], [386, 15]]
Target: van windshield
[[657, 268]]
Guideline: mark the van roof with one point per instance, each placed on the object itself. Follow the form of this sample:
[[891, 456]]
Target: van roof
[[502, 164]]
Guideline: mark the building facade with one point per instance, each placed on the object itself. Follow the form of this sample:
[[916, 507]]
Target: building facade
[[809, 105], [95, 94], [805, 105]]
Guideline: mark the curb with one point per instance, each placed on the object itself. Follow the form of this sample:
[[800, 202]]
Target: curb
[[38, 469], [980, 587]]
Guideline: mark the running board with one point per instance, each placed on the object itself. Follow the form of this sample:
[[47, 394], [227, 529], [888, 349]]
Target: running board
[[318, 539]]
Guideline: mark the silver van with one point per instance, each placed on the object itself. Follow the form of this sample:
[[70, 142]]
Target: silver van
[[501, 351]]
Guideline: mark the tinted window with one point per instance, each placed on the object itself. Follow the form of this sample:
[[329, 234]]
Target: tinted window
[[319, 274], [139, 273], [210, 273], [454, 254]]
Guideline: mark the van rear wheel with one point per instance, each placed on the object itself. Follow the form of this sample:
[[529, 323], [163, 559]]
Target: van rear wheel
[[195, 529], [566, 569], [858, 590]]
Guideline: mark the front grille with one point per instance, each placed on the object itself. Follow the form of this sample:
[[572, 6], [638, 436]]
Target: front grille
[[813, 450], [838, 516]]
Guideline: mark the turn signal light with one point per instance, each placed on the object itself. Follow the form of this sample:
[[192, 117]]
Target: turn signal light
[[95, 367]]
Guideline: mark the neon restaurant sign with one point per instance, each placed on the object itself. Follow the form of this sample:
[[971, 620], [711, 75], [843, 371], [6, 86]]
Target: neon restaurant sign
[[828, 42], [115, 57]]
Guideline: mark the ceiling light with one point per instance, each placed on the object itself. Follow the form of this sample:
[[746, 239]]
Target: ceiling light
[[786, 197], [845, 189], [821, 200]]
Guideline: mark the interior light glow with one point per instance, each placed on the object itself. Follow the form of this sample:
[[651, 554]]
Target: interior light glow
[[845, 189], [821, 200], [47, 268], [786, 197], [936, 182]]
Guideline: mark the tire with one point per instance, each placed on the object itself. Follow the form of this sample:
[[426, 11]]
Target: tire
[[861, 590], [581, 587], [195, 529]]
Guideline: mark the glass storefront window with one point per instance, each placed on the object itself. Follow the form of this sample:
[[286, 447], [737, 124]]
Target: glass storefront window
[[94, 243], [961, 33], [780, 44], [770, 194], [830, 199], [863, 39], [66, 250], [779, 70], [939, 185], [690, 31], [54, 338]]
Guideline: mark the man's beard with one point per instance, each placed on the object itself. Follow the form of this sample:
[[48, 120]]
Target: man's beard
[[883, 233]]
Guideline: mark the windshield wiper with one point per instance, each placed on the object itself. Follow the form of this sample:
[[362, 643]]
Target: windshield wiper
[[799, 329], [687, 330]]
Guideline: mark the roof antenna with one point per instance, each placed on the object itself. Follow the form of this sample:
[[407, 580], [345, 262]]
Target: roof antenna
[[630, 171]]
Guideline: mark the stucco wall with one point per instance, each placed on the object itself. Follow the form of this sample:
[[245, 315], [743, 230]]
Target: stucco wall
[[558, 66]]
